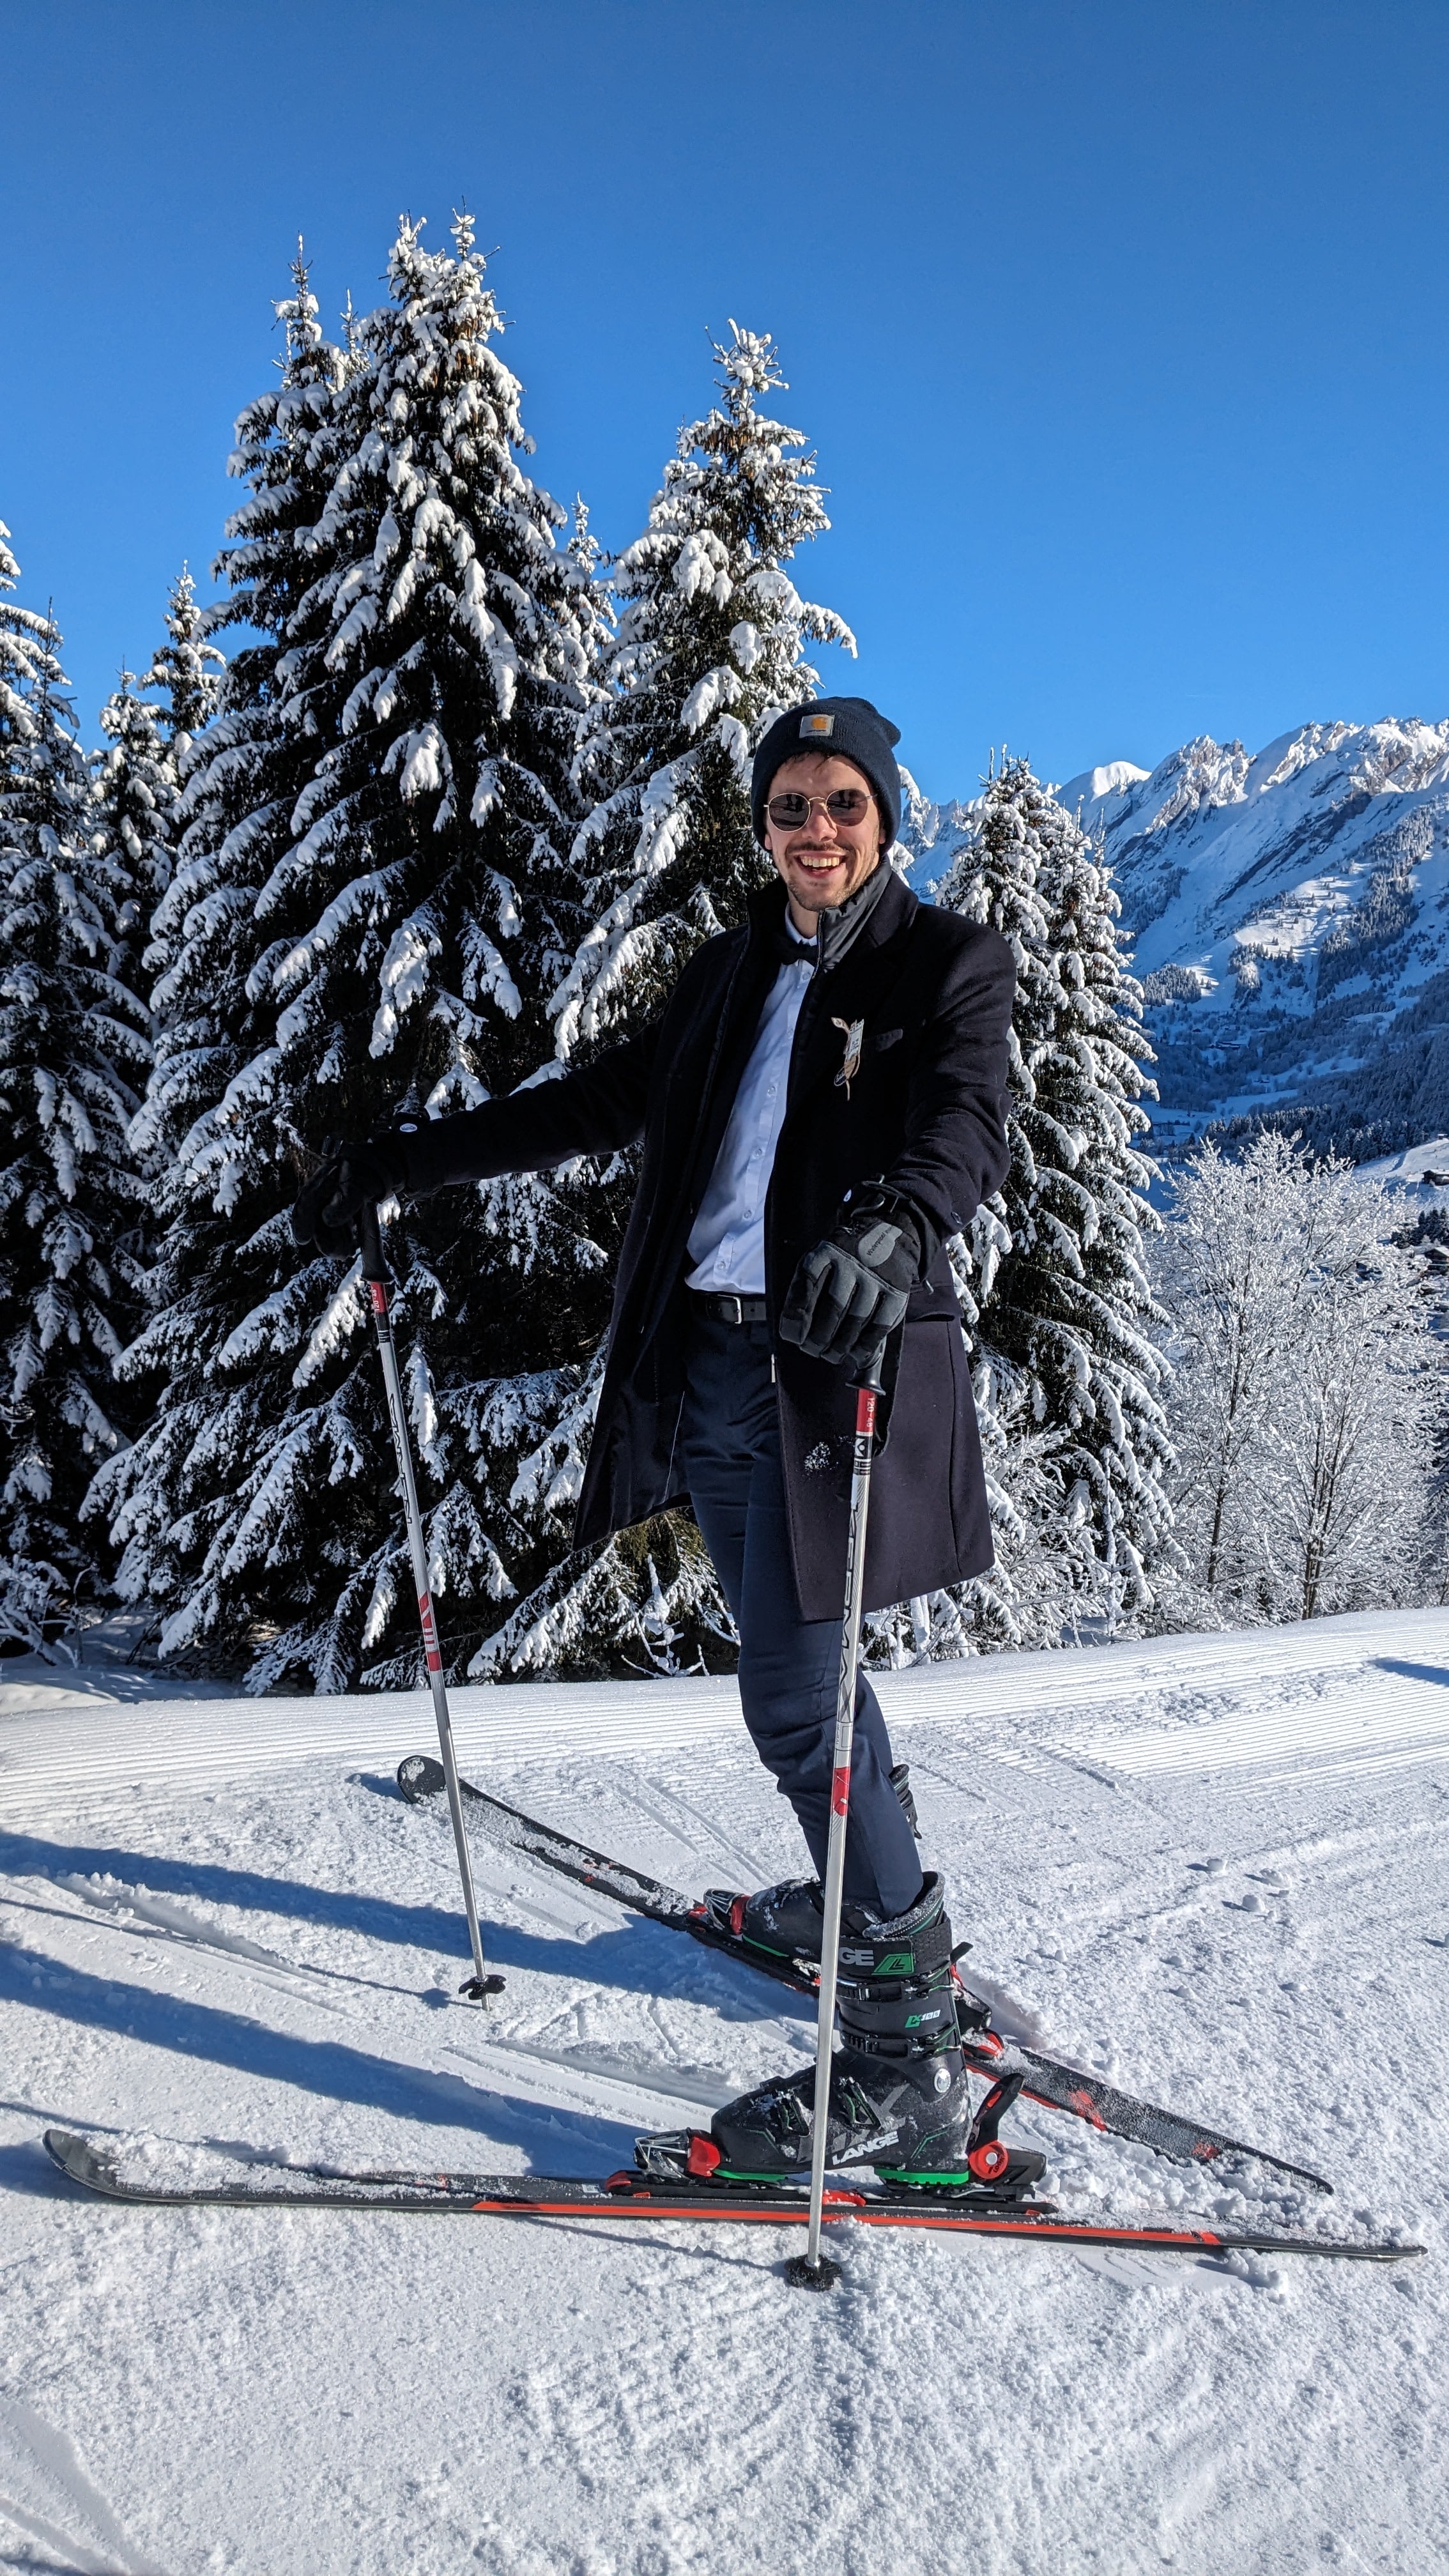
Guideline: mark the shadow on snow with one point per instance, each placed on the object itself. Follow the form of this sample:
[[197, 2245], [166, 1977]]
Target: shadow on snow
[[330, 2068], [639, 1958]]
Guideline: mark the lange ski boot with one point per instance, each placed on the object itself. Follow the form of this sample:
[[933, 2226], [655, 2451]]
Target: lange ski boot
[[899, 2095], [783, 1922]]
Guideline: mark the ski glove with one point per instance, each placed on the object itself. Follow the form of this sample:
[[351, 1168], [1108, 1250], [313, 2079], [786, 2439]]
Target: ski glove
[[851, 1291], [350, 1176]]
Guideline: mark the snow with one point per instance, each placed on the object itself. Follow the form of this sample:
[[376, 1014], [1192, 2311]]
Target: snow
[[1211, 1867], [1288, 911], [1301, 889], [1423, 1167], [1214, 847], [1112, 778]]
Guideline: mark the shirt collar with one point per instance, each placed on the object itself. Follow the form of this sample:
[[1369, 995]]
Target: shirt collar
[[838, 930]]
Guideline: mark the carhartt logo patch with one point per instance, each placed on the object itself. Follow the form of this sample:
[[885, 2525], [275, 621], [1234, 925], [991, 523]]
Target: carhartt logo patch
[[816, 728]]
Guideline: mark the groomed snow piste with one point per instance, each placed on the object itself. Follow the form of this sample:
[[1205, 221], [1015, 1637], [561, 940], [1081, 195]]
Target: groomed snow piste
[[1213, 1868]]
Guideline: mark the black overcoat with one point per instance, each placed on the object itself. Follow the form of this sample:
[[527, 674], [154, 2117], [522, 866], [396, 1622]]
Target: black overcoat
[[923, 1112]]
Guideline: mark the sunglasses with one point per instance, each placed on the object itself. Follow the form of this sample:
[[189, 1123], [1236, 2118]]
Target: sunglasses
[[845, 805]]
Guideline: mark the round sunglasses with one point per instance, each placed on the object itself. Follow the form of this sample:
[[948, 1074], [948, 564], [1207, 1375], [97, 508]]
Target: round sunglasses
[[845, 805]]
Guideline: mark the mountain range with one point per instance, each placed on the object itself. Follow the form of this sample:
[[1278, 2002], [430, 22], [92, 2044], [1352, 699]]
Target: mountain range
[[1289, 912]]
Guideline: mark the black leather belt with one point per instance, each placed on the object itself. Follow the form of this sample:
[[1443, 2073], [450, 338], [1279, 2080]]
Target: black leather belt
[[722, 1308]]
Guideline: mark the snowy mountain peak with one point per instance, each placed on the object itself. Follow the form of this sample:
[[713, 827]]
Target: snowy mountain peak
[[1289, 910], [931, 834], [1096, 786], [1379, 759]]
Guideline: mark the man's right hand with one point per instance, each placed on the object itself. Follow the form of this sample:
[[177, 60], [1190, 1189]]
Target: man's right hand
[[351, 1175]]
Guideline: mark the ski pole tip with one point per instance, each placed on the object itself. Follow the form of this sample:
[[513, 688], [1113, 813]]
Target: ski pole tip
[[802, 2274]]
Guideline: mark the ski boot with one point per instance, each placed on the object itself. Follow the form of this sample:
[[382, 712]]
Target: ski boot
[[782, 1923], [910, 2118], [952, 2156], [899, 2094]]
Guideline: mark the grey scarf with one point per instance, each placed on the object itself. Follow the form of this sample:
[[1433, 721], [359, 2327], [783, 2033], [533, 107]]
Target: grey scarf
[[839, 930]]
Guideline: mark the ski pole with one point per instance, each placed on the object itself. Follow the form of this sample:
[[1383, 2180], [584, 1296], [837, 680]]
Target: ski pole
[[813, 2270], [480, 1985]]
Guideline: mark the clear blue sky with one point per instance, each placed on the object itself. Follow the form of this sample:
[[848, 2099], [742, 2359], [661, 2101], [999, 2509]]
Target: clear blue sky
[[1120, 330]]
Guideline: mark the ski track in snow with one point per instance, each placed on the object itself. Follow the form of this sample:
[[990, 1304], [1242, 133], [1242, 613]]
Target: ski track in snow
[[1211, 1868], [47, 2499]]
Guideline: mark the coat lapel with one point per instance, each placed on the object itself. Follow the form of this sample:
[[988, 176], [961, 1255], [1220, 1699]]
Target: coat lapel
[[846, 1000]]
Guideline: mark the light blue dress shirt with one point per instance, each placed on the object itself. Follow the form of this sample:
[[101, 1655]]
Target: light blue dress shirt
[[727, 1238]]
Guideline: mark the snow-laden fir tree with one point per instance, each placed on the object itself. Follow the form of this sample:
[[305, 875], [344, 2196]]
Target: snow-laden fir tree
[[232, 820], [235, 814], [73, 1055], [134, 815], [711, 646], [1308, 1390], [1056, 1298], [186, 670], [370, 913], [138, 775]]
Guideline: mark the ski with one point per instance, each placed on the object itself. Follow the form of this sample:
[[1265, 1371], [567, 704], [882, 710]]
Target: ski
[[629, 2194], [1047, 2080]]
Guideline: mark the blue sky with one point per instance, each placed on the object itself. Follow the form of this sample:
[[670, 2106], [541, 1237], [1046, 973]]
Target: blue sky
[[1120, 331]]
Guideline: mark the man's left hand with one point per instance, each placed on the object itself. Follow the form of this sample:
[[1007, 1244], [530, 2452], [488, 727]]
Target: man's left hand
[[851, 1291]]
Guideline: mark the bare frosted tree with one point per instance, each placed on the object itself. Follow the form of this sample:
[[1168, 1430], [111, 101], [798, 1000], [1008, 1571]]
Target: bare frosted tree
[[1352, 1443], [1308, 1384]]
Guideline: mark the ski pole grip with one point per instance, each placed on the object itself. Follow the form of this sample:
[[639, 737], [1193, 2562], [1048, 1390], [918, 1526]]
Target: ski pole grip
[[369, 1238], [870, 1376]]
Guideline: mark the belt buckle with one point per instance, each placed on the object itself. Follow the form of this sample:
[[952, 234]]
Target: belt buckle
[[738, 1304]]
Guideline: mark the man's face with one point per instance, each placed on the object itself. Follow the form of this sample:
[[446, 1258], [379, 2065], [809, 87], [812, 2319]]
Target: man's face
[[823, 859]]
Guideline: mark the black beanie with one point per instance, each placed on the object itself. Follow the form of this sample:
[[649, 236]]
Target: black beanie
[[851, 729]]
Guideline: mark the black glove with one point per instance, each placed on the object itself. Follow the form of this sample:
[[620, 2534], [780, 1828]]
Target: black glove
[[350, 1175], [851, 1291]]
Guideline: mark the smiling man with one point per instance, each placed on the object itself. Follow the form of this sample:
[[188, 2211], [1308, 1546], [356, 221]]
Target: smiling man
[[821, 1106]]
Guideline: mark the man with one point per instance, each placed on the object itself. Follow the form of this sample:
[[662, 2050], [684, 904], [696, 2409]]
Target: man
[[821, 1106]]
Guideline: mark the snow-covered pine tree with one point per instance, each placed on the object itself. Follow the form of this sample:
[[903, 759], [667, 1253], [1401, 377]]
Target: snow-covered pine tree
[[134, 815], [710, 649], [373, 881], [711, 646], [137, 778], [233, 820], [186, 671], [236, 810], [1056, 1299], [73, 1054]]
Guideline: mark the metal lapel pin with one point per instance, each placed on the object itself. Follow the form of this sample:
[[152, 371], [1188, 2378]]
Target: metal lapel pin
[[854, 1041]]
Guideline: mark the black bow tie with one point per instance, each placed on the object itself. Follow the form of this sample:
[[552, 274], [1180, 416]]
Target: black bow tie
[[787, 950]]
